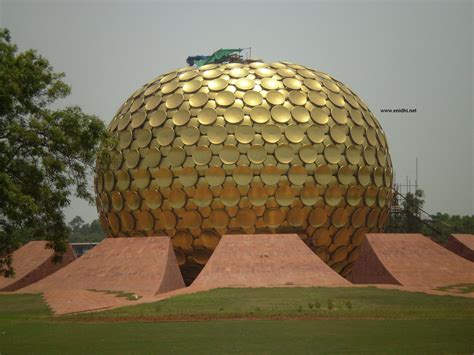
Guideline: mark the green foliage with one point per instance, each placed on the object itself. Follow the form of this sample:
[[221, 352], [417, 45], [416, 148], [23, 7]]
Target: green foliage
[[46, 155], [82, 232]]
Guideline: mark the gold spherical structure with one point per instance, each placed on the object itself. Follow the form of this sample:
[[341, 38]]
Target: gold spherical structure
[[246, 148]]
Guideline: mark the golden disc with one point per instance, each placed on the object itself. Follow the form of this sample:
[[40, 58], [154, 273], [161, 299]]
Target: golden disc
[[167, 219], [202, 155], [378, 176], [284, 195], [238, 72], [246, 218], [165, 136], [339, 217], [138, 118], [181, 117], [269, 84], [358, 218], [323, 174], [114, 222], [124, 121], [163, 177], [297, 175], [309, 195], [271, 133], [273, 217], [152, 89], [284, 153], [202, 196], [141, 178], [229, 154], [356, 117], [259, 114], [225, 98], [176, 156], [212, 74], [333, 195], [210, 239], [245, 84], [270, 175], [117, 200], [322, 239], [316, 98], [127, 221], [264, 72], [336, 99], [190, 135], [306, 73], [217, 84], [125, 138], [297, 98], [217, 134], [133, 200], [174, 101], [286, 73], [244, 134], [370, 196], [292, 84], [275, 98], [192, 86], [353, 154], [156, 118], [257, 154], [294, 133], [207, 116], [315, 133], [364, 176], [280, 114], [252, 98], [192, 219], [168, 77], [242, 175], [201, 255], [143, 137], [132, 157], [145, 220], [353, 195], [339, 115], [219, 218], [152, 158], [257, 196], [230, 196], [300, 114], [176, 198], [312, 84], [215, 176], [153, 199], [308, 153], [319, 115], [317, 217], [188, 75], [198, 100], [369, 155], [343, 237], [295, 217], [332, 154], [183, 240], [188, 176], [339, 255], [338, 133], [373, 218], [234, 115], [137, 103], [123, 180], [169, 87]]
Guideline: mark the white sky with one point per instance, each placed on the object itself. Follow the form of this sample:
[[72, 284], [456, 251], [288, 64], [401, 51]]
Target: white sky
[[415, 54]]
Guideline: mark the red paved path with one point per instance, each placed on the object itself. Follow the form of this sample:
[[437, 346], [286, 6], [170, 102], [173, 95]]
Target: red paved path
[[462, 245], [145, 266], [265, 260], [32, 262], [411, 260]]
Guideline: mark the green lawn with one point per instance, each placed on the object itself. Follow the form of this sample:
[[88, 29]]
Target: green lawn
[[360, 320]]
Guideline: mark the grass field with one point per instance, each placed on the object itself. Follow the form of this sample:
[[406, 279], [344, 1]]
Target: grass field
[[280, 320]]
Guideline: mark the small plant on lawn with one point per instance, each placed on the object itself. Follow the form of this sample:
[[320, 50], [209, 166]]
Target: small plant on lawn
[[349, 304], [330, 304], [300, 308]]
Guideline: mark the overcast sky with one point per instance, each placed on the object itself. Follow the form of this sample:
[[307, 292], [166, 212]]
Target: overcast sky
[[392, 54]]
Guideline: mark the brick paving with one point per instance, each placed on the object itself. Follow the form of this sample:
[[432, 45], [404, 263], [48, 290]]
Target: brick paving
[[462, 245], [33, 262], [265, 260], [410, 260]]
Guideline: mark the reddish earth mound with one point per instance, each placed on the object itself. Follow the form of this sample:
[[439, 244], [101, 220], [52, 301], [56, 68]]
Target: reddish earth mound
[[109, 274], [410, 260], [462, 245], [265, 260], [33, 262]]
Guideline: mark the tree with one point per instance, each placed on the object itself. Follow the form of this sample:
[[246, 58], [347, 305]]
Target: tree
[[412, 205], [46, 155]]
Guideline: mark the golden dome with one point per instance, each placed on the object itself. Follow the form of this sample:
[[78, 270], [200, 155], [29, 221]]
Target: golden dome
[[246, 148]]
